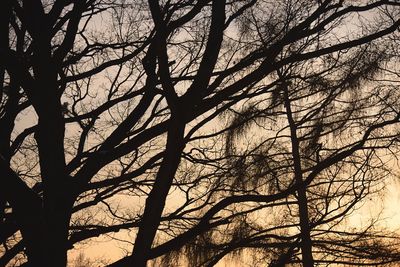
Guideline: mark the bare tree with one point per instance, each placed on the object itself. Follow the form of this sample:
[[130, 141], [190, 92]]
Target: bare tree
[[111, 120]]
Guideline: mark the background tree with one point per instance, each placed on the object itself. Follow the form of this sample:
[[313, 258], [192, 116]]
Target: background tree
[[111, 120]]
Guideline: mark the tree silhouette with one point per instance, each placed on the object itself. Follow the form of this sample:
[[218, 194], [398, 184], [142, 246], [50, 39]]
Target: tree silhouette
[[185, 122]]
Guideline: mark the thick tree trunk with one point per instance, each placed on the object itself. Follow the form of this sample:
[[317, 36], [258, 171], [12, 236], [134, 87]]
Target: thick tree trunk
[[156, 200], [46, 243], [57, 189], [56, 184]]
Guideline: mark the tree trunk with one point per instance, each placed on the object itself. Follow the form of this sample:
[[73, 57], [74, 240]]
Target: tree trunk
[[306, 243], [156, 200], [56, 184]]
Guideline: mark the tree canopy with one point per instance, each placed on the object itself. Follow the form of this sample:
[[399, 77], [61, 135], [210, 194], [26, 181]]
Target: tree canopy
[[194, 131]]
